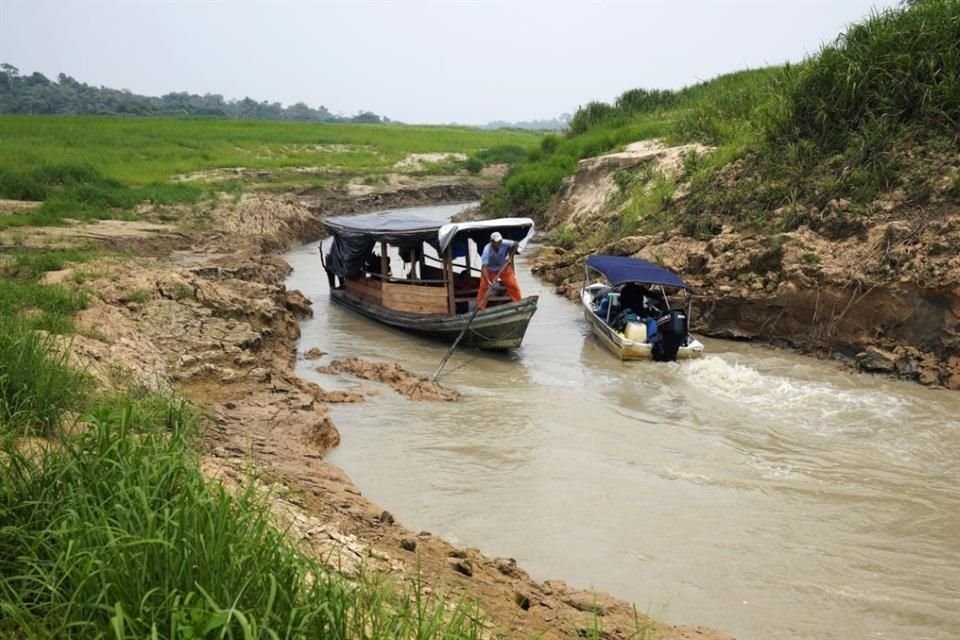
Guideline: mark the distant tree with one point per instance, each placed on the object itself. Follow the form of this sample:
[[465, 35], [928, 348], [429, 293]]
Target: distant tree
[[366, 117], [36, 94]]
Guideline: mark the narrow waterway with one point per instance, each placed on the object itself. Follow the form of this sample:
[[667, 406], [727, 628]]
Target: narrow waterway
[[764, 494]]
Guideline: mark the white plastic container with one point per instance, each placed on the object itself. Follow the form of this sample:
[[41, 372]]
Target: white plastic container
[[636, 331]]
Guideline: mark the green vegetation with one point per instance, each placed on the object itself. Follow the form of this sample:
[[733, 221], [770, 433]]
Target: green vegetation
[[115, 533], [81, 192], [843, 124], [31, 265], [509, 154], [36, 385], [140, 151], [99, 167], [647, 202], [35, 305]]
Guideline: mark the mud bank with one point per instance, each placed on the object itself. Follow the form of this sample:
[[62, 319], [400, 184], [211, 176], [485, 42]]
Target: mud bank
[[881, 293], [357, 199], [393, 375], [204, 311]]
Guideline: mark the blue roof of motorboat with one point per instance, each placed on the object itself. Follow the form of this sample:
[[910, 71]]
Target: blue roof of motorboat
[[621, 270]]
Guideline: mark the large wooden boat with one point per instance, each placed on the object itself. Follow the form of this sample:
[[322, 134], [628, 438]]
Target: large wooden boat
[[638, 310], [437, 268]]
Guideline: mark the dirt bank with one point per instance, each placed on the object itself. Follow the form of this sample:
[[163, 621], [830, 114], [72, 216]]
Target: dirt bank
[[203, 310], [362, 198], [880, 292]]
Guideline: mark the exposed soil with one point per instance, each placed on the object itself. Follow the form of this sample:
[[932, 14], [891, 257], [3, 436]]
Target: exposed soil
[[880, 292], [207, 314], [393, 375], [328, 201]]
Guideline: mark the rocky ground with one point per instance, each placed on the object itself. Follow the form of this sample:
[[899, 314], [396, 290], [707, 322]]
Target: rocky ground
[[198, 306], [879, 292]]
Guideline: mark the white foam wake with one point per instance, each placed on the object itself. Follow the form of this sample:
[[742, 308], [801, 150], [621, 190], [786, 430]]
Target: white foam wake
[[817, 404]]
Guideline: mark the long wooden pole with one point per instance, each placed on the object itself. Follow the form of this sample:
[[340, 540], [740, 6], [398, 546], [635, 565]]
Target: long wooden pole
[[473, 315]]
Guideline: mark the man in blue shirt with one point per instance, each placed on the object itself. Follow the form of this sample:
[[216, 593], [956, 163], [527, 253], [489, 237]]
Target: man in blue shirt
[[497, 259]]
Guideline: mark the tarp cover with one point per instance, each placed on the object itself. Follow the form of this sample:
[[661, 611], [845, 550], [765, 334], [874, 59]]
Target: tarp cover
[[354, 237], [620, 270]]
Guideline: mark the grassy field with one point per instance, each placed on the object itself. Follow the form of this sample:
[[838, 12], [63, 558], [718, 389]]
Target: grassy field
[[95, 167], [877, 110], [140, 151]]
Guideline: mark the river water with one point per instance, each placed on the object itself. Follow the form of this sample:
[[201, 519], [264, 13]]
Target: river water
[[762, 493]]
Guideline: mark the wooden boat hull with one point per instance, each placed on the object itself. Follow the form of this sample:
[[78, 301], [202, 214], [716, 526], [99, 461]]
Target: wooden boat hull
[[627, 349], [496, 329]]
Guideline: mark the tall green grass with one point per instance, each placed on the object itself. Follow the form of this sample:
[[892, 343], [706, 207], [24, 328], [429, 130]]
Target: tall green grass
[[36, 305], [80, 191], [899, 67], [47, 307], [116, 534], [877, 110], [37, 386]]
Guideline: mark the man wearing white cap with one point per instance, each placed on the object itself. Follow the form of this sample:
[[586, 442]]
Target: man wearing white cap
[[497, 258]]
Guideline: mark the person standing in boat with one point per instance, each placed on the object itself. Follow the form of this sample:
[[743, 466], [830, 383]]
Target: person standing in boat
[[497, 259]]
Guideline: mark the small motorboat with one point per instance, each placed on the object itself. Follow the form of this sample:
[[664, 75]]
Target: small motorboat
[[638, 310]]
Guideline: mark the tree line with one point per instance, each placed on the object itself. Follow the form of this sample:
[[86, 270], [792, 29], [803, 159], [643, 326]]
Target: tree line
[[35, 94]]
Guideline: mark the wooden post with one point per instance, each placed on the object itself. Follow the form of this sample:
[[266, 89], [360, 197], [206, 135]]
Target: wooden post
[[448, 280], [383, 261], [466, 241], [423, 261]]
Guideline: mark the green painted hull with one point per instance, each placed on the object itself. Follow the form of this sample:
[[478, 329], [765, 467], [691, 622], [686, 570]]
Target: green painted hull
[[496, 329]]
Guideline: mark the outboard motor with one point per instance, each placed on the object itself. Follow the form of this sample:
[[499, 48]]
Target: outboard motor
[[672, 329]]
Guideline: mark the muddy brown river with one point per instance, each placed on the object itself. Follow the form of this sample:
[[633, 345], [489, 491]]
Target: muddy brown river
[[765, 494]]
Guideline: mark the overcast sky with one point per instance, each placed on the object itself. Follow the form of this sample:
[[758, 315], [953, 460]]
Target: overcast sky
[[468, 62]]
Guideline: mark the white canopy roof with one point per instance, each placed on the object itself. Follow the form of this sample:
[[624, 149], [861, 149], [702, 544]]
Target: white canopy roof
[[448, 231]]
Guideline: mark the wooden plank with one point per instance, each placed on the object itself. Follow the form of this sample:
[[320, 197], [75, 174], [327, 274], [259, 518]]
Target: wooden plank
[[414, 298], [413, 307], [398, 291], [364, 289]]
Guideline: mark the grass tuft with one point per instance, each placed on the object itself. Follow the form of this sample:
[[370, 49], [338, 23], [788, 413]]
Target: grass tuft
[[37, 386]]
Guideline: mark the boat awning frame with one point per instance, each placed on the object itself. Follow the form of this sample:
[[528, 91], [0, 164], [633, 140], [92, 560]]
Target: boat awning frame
[[479, 230], [620, 270], [355, 236]]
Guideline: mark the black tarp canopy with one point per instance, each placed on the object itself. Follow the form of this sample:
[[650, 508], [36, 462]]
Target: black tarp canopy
[[354, 237], [621, 270]]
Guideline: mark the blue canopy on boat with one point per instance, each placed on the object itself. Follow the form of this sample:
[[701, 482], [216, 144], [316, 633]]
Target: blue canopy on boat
[[620, 270]]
